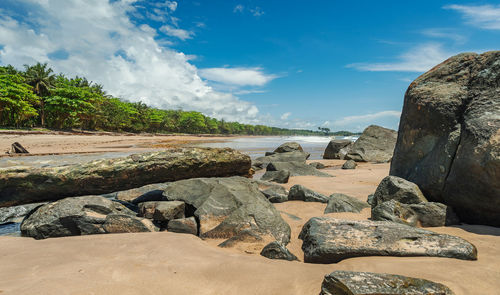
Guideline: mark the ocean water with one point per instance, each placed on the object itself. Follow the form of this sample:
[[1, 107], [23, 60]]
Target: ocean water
[[258, 146]]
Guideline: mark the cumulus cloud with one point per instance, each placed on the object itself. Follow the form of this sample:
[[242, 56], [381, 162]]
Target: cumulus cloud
[[175, 32], [101, 43], [482, 16], [285, 116], [237, 76], [419, 59]]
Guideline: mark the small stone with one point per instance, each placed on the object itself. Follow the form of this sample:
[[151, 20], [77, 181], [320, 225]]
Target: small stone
[[275, 250], [301, 193], [349, 164], [183, 225]]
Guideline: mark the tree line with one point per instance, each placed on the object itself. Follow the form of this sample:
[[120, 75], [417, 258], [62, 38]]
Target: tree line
[[36, 96]]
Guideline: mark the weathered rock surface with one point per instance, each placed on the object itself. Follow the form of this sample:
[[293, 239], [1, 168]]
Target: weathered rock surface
[[349, 164], [225, 207], [344, 203], [330, 240], [376, 144], [396, 212], [82, 216], [17, 148], [434, 214], [146, 193], [295, 156], [317, 165], [337, 149], [275, 193], [449, 138], [301, 193], [286, 147], [183, 226], [396, 188], [275, 250], [17, 213], [367, 283], [162, 210], [27, 185], [296, 169], [280, 176]]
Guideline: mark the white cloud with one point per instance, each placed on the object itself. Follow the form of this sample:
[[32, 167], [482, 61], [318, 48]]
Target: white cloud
[[237, 76], [419, 59], [103, 45], [238, 8], [285, 116], [175, 32], [444, 34], [482, 16], [366, 118], [257, 11]]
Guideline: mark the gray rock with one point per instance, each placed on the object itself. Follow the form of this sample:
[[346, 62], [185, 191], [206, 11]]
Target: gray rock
[[434, 214], [296, 169], [317, 165], [371, 200], [286, 147], [16, 214], [396, 212], [146, 193], [376, 144], [183, 226], [82, 216], [334, 149], [225, 207], [275, 193], [280, 176], [301, 193], [349, 164], [344, 203], [295, 156], [29, 185], [396, 188], [275, 250], [448, 141], [162, 210], [367, 283], [330, 240]]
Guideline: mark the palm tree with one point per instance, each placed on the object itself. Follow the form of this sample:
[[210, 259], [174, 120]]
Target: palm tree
[[42, 80]]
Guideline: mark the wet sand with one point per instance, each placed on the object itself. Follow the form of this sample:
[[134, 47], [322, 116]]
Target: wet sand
[[169, 263]]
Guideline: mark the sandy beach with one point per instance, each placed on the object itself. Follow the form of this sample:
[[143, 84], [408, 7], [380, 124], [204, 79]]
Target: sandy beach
[[48, 143], [169, 263]]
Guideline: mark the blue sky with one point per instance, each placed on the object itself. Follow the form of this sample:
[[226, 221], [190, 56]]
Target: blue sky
[[295, 64]]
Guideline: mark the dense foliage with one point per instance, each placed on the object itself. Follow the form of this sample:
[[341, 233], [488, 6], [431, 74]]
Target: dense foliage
[[37, 97]]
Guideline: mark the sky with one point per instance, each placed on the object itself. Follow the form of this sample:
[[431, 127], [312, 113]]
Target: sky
[[342, 65]]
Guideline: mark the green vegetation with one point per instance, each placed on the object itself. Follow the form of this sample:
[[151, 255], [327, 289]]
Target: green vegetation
[[38, 97]]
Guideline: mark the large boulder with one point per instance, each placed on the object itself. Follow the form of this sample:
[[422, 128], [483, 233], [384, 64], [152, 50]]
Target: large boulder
[[330, 240], [83, 216], [337, 149], [228, 207], [301, 193], [296, 169], [286, 147], [294, 156], [20, 185], [449, 138], [376, 144], [396, 188], [344, 203], [368, 283]]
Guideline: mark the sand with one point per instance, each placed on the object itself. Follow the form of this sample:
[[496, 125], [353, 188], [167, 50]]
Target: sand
[[169, 263], [52, 143]]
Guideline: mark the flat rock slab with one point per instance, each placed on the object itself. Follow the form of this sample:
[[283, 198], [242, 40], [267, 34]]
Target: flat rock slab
[[296, 169], [330, 240], [294, 156], [228, 207], [21, 185], [368, 283]]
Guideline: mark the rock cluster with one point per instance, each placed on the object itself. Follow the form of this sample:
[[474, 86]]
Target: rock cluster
[[449, 136]]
